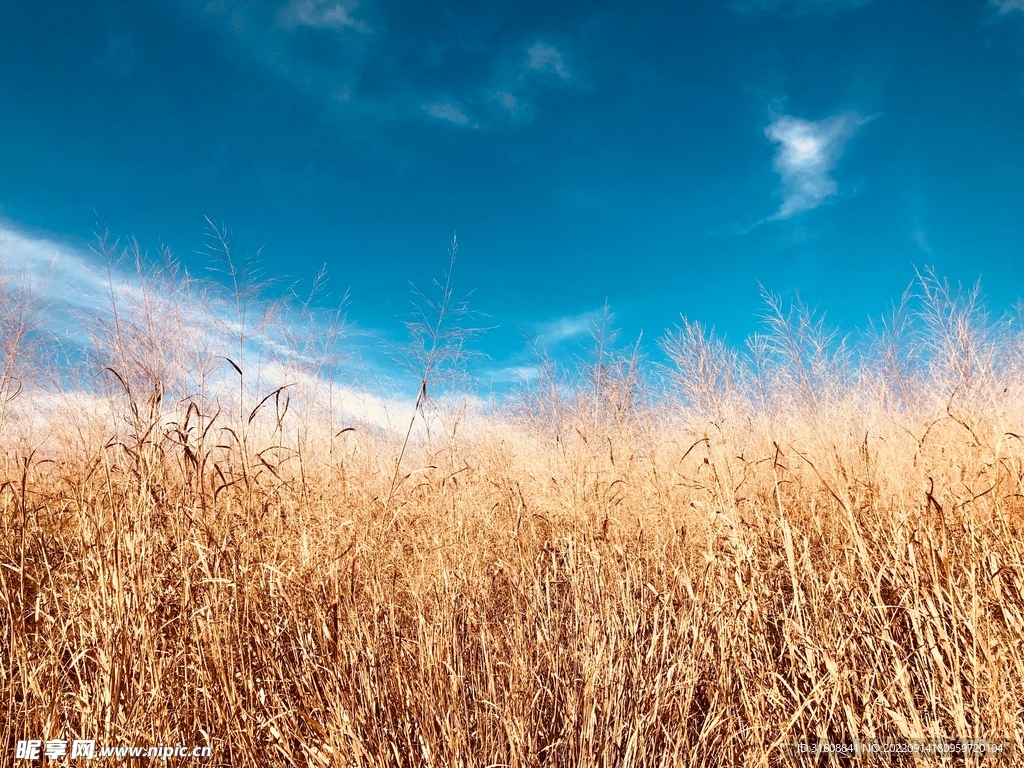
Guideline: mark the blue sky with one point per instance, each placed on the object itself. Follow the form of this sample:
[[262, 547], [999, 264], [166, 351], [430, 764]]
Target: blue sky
[[668, 159]]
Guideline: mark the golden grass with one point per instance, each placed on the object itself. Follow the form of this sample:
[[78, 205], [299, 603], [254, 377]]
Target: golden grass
[[589, 580]]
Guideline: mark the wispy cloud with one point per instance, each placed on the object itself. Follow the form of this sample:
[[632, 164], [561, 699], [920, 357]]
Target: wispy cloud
[[448, 111], [564, 328], [806, 155], [518, 80], [270, 35], [551, 343], [1005, 6], [515, 83], [508, 101], [513, 373], [321, 14], [432, 72], [57, 272], [542, 57]]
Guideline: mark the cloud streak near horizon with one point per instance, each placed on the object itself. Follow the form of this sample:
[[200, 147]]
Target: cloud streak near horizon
[[57, 273], [76, 296]]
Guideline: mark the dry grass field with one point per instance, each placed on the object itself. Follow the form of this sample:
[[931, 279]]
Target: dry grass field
[[799, 543]]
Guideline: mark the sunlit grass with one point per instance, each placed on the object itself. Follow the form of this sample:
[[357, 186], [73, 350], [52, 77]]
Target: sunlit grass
[[796, 545]]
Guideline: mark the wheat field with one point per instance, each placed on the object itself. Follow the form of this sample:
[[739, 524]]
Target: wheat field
[[630, 564]]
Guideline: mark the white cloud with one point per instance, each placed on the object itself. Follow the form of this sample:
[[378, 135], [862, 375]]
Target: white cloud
[[446, 110], [806, 155], [1005, 6], [321, 14], [542, 57]]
